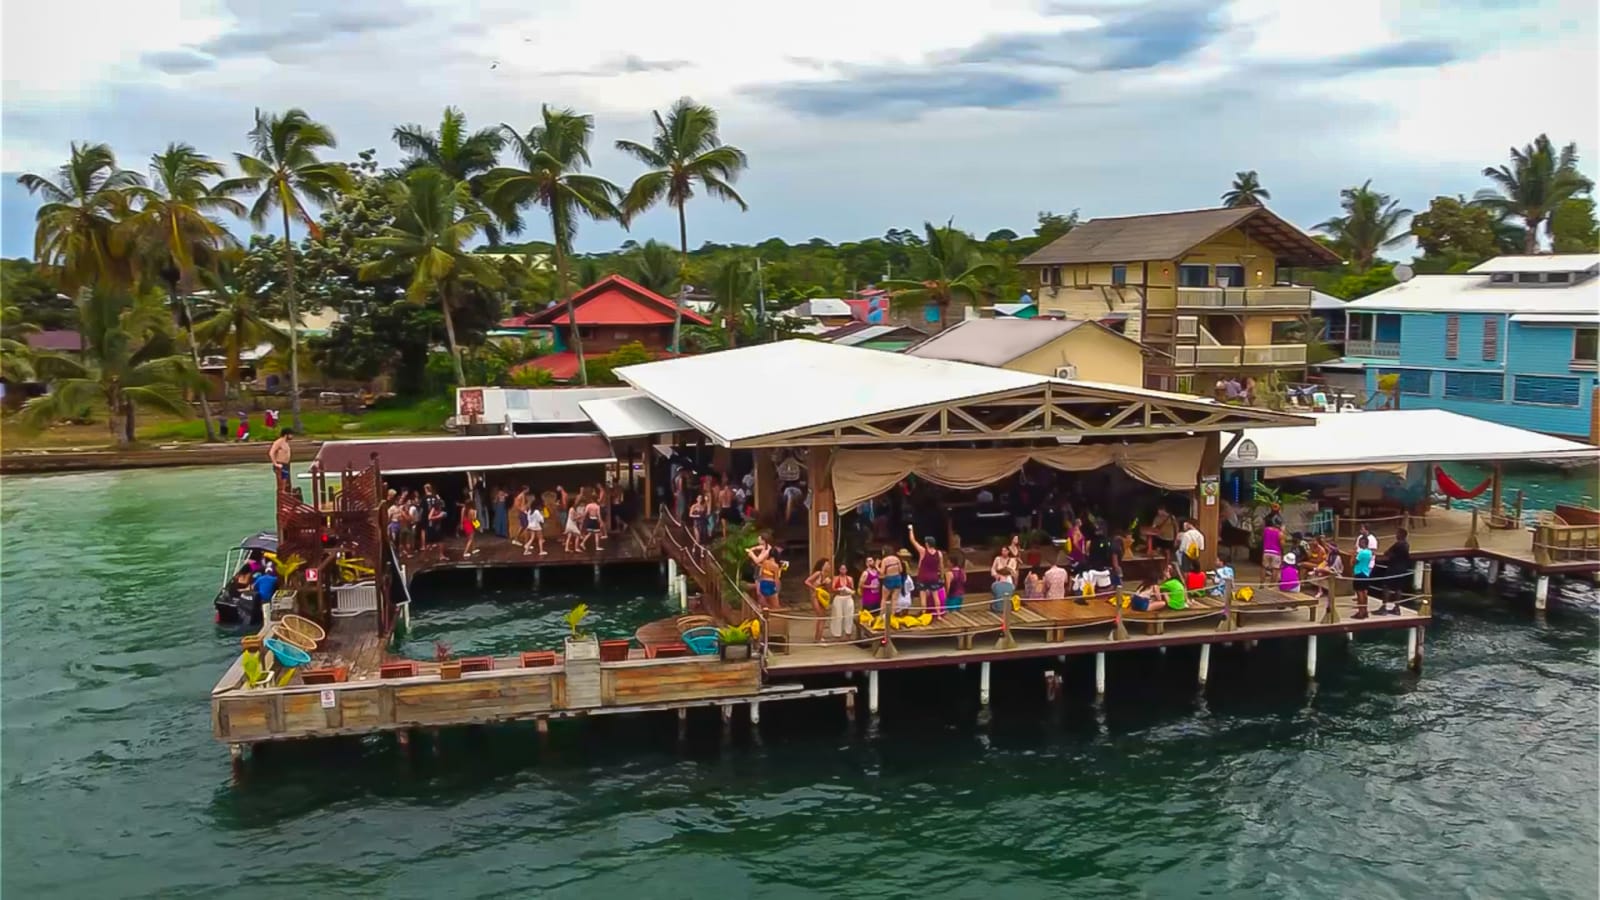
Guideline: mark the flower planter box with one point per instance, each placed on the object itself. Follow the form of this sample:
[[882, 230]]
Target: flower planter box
[[450, 669], [325, 675], [538, 659], [734, 652], [582, 649], [404, 669], [477, 664], [614, 651]]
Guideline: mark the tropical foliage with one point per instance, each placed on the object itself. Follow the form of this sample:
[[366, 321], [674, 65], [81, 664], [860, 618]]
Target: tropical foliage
[[1372, 221], [82, 208], [947, 269], [1539, 179], [1246, 191]]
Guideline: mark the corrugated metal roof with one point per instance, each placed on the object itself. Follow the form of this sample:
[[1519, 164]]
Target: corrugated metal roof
[[1476, 293], [993, 342], [1591, 319], [632, 416], [412, 456], [1543, 262], [1399, 435], [1168, 236]]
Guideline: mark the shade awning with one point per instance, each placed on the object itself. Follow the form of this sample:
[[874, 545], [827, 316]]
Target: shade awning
[[632, 416], [1370, 440], [416, 456]]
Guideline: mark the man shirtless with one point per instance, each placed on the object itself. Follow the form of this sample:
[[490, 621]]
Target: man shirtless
[[280, 453]]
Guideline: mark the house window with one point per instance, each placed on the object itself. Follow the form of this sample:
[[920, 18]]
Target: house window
[[1502, 278], [1585, 344], [1230, 276], [1528, 278], [1119, 275], [1491, 339], [1557, 277], [1474, 386], [1413, 382], [1050, 276], [1546, 391], [619, 335], [1452, 336], [1194, 276]]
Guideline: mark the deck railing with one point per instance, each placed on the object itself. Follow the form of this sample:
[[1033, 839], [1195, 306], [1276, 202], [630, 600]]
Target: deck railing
[[1241, 355], [1372, 349], [1244, 298]]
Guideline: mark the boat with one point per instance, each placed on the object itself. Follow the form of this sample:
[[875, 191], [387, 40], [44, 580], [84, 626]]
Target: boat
[[237, 606]]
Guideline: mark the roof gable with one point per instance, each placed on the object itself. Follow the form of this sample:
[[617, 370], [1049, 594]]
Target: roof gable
[[995, 342], [615, 300], [1167, 236]]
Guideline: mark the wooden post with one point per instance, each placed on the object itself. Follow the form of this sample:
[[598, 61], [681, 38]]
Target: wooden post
[[1472, 535], [1425, 605], [822, 518], [1414, 649], [543, 724], [648, 503], [1494, 488], [755, 712], [872, 691], [1541, 592], [1311, 656], [683, 724], [1207, 516], [1005, 641], [1521, 496], [1100, 675], [768, 509]]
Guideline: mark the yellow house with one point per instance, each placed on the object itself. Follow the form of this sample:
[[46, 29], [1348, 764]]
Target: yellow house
[[1206, 290], [1065, 348]]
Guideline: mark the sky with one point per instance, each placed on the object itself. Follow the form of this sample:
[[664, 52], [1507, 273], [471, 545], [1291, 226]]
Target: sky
[[857, 116]]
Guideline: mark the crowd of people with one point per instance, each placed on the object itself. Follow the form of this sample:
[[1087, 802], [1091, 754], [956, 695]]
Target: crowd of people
[[582, 518]]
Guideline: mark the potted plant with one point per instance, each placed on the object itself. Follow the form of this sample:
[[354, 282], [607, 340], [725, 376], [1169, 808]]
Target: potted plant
[[581, 644], [733, 643], [449, 666]]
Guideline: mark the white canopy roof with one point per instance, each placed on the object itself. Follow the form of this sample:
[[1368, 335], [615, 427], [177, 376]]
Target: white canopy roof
[[1591, 319], [1391, 436], [1477, 294], [1543, 262], [634, 415], [751, 392]]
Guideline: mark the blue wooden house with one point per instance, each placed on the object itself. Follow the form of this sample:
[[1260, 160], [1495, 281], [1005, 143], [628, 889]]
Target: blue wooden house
[[1512, 341]]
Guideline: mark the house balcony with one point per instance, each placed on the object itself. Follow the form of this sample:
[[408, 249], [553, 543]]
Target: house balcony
[[1269, 299], [1237, 355], [1372, 349]]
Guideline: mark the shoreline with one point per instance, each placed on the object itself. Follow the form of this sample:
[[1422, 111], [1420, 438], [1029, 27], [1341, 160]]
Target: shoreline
[[33, 462]]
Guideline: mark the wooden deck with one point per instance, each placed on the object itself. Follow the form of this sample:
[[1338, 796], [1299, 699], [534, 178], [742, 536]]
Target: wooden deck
[[632, 545]]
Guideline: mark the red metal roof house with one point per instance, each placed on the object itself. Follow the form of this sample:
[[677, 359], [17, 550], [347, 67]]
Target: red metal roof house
[[611, 312]]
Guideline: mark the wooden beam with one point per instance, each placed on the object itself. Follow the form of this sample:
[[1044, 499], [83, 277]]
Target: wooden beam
[[822, 517]]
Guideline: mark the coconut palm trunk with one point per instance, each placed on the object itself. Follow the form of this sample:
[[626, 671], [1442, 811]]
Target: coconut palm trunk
[[450, 335], [572, 314], [294, 325], [683, 272], [194, 353], [1530, 238]]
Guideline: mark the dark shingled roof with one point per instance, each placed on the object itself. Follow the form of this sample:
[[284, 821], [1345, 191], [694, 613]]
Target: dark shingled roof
[[1168, 236], [459, 454]]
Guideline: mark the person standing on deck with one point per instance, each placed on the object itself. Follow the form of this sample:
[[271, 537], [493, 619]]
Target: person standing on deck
[[1191, 543], [1055, 582], [871, 585], [534, 532], [930, 570], [591, 524], [955, 582], [1396, 567], [894, 576], [1362, 571], [279, 454], [1003, 571], [1271, 551], [469, 523], [433, 516], [817, 584], [842, 611]]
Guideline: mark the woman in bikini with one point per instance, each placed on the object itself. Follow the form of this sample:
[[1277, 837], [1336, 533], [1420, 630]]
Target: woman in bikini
[[871, 585], [571, 533], [769, 569], [819, 581], [893, 579]]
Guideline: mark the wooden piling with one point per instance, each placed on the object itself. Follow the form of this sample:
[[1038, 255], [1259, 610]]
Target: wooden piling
[[983, 684], [755, 712], [1311, 656], [1100, 675], [872, 692], [1541, 592], [1205, 663]]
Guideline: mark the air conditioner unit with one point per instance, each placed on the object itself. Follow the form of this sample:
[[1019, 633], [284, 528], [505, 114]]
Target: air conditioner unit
[[1067, 372]]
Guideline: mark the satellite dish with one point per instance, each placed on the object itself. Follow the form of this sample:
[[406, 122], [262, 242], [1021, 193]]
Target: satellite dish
[[1403, 272]]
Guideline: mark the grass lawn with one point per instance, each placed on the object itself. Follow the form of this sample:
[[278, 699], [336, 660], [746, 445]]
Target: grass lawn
[[398, 416]]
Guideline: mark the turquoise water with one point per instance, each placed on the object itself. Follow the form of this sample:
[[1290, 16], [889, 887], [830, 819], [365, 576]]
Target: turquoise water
[[1478, 778]]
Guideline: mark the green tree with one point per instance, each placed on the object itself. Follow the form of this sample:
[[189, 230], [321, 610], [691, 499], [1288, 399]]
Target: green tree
[[1572, 226], [1371, 221], [1246, 190], [286, 173], [31, 289], [1534, 185], [459, 154], [74, 227], [435, 218], [1053, 225], [1454, 230], [16, 357], [733, 285], [127, 364], [174, 232], [236, 322], [656, 266], [948, 268], [552, 156], [686, 151]]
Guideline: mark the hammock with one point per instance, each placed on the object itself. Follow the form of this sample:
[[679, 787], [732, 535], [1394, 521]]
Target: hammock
[[1450, 488]]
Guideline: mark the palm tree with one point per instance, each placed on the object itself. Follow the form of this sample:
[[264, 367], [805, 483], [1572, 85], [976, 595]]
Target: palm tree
[[733, 286], [656, 267], [73, 228], [287, 172], [236, 323], [1371, 221], [947, 268], [686, 150], [16, 357], [127, 363], [173, 228], [435, 217], [458, 154], [1537, 181], [1246, 190], [552, 155]]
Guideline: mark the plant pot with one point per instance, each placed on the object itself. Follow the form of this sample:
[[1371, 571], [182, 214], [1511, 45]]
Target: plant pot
[[734, 652], [536, 659], [403, 669], [450, 669], [325, 675], [582, 649], [477, 664]]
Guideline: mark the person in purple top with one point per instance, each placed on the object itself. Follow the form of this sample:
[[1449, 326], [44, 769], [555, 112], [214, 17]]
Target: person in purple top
[[930, 574], [1271, 551]]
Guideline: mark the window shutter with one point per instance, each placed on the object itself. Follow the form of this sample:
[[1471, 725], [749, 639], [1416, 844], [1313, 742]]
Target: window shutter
[[1452, 336], [1491, 339]]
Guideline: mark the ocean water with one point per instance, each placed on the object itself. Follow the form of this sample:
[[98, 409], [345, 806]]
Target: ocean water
[[1480, 777]]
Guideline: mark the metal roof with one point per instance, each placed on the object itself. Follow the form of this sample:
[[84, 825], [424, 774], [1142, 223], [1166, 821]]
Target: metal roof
[[414, 456], [1477, 294], [1591, 319], [632, 416], [1400, 435], [752, 392], [1543, 262], [995, 342], [1168, 236]]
